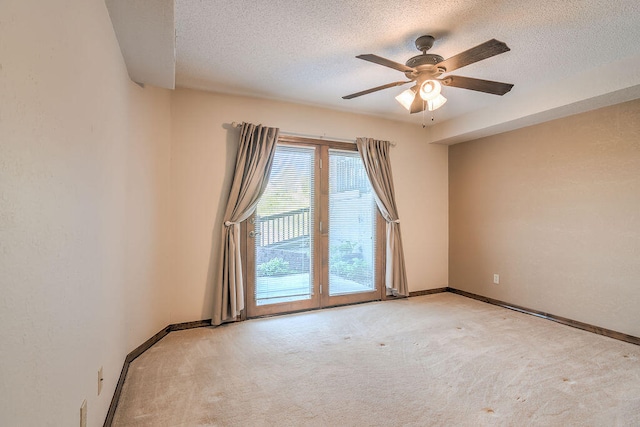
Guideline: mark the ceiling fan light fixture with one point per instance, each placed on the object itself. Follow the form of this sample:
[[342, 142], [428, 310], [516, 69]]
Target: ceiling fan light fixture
[[430, 90], [425, 72], [434, 104], [406, 98]]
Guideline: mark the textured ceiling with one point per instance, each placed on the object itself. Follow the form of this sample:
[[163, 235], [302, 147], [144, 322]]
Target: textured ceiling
[[304, 51]]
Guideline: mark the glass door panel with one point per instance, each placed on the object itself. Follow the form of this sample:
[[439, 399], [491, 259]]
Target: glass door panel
[[352, 226], [313, 240], [283, 233]]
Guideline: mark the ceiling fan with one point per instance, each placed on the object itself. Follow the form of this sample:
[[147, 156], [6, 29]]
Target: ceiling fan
[[426, 71]]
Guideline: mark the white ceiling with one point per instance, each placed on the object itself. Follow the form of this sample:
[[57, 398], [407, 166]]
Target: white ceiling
[[566, 56]]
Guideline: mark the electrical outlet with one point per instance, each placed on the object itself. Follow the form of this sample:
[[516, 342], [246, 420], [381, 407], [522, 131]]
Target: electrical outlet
[[100, 380], [83, 414], [496, 279]]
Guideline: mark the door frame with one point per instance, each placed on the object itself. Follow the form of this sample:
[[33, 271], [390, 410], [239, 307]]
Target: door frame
[[320, 297], [380, 233], [251, 308]]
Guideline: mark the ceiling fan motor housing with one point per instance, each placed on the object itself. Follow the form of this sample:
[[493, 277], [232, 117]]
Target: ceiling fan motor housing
[[425, 65]]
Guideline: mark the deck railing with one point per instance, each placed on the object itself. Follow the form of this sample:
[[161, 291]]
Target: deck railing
[[350, 175], [282, 227]]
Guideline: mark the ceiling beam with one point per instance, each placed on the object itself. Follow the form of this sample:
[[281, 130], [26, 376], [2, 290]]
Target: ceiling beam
[[596, 88], [146, 34]]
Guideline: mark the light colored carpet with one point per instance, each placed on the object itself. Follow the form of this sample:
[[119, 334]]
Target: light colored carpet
[[441, 359]]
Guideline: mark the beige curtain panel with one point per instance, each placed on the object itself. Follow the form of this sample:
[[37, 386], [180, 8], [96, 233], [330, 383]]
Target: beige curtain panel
[[375, 155], [253, 165]]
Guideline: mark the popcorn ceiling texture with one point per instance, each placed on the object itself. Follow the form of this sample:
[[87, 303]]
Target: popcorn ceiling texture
[[305, 51]]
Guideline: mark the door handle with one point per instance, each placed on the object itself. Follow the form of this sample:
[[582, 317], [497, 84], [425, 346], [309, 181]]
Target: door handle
[[253, 234]]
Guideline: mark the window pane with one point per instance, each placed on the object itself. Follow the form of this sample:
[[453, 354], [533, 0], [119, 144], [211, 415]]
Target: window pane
[[352, 225], [284, 229]]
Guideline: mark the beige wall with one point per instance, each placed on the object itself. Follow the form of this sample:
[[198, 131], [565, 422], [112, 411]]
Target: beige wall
[[111, 202], [555, 210], [203, 156], [84, 188]]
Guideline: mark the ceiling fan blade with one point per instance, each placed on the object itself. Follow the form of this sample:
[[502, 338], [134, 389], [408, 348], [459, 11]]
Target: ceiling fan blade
[[418, 104], [482, 51], [486, 86], [386, 62], [375, 89]]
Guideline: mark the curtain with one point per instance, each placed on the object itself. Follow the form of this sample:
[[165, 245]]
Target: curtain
[[256, 151], [375, 156]]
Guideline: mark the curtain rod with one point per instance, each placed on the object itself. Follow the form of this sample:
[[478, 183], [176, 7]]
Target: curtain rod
[[353, 141]]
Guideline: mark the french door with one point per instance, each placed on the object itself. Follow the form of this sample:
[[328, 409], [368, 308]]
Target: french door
[[315, 236]]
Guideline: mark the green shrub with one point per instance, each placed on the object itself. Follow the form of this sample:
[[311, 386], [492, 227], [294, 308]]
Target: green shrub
[[355, 269], [273, 267], [345, 260]]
